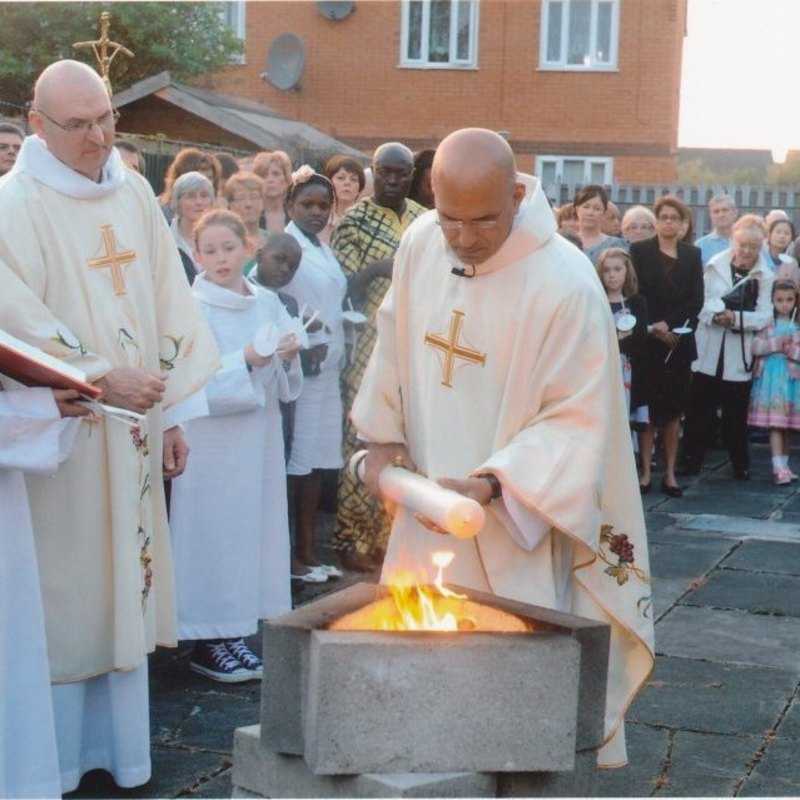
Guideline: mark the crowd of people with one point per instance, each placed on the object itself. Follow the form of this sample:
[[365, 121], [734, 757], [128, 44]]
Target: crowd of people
[[707, 331], [280, 316]]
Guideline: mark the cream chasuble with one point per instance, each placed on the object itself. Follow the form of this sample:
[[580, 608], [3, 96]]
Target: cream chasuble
[[90, 273], [516, 372]]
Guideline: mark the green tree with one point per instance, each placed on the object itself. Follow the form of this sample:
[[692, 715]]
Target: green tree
[[186, 38]]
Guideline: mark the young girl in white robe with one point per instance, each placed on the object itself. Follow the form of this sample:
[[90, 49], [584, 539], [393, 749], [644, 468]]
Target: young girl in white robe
[[229, 522], [318, 284], [33, 438]]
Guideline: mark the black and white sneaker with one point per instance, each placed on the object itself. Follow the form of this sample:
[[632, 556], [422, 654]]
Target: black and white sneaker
[[214, 660], [246, 657]]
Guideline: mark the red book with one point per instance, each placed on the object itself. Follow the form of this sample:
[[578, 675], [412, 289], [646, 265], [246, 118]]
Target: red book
[[31, 366]]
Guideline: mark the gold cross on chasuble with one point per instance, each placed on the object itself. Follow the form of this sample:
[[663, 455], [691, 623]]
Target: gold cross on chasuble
[[452, 349], [112, 259]]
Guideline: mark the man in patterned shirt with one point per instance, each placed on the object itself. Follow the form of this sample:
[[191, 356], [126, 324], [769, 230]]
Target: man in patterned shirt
[[365, 242]]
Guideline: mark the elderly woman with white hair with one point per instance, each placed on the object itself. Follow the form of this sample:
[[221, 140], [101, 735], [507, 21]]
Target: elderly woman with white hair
[[737, 304], [638, 223], [192, 195]]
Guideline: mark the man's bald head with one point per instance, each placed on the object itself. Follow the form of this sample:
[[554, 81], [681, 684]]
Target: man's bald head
[[393, 171], [474, 156], [474, 179], [72, 113], [68, 78]]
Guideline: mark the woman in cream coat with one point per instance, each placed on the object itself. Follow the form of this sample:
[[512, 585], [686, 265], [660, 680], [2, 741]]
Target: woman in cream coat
[[723, 369]]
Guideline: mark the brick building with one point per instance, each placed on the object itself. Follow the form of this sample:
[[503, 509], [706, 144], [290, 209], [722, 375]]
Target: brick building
[[586, 89]]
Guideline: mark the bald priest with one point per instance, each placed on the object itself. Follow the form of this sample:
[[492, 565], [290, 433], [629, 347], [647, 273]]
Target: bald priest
[[496, 371]]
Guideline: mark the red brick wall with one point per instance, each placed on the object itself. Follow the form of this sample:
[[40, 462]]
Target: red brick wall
[[353, 88]]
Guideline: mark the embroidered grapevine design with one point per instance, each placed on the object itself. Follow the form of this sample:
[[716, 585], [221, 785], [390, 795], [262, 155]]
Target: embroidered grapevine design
[[620, 546], [168, 360], [125, 340], [142, 447], [76, 345]]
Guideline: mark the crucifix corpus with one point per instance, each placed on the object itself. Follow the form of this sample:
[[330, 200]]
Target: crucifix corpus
[[100, 47]]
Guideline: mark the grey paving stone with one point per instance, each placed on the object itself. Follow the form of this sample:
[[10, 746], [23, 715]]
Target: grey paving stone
[[780, 557], [777, 774], [743, 527], [666, 591], [715, 698], [790, 725], [677, 534], [707, 765], [211, 724], [793, 505], [689, 560], [730, 636], [655, 521], [218, 786], [647, 748], [755, 592], [727, 503]]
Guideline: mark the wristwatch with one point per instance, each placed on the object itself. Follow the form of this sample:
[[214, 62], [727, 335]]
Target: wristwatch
[[497, 487]]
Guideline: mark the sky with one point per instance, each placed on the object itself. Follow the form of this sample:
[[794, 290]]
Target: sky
[[740, 66]]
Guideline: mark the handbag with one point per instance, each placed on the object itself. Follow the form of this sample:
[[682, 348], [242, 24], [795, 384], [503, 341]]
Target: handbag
[[743, 297]]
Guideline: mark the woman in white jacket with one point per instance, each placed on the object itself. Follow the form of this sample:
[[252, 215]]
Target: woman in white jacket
[[723, 369]]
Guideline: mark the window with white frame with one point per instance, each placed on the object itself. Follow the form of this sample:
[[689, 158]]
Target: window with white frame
[[233, 14], [574, 169], [439, 34], [579, 34]]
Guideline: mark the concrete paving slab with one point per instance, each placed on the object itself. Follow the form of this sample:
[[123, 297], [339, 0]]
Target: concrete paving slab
[[211, 724], [666, 592], [689, 560], [778, 557], [714, 698], [756, 592], [656, 521], [793, 505], [777, 774], [727, 503], [647, 749], [676, 534], [741, 527], [790, 725], [730, 636], [218, 786], [707, 765]]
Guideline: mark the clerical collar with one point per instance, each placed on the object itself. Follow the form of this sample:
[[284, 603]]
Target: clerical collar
[[36, 160]]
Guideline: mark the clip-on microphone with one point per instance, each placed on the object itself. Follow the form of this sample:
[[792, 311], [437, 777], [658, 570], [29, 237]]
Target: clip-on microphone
[[462, 273]]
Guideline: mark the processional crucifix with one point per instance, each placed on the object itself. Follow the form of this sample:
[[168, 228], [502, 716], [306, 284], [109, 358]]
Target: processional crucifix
[[100, 48]]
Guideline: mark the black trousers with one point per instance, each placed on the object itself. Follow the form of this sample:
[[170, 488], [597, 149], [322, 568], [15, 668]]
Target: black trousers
[[706, 395]]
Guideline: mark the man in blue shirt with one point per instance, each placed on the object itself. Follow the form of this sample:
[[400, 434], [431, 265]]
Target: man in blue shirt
[[722, 212]]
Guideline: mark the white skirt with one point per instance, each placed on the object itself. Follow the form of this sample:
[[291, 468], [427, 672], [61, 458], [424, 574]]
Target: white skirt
[[104, 723], [317, 441]]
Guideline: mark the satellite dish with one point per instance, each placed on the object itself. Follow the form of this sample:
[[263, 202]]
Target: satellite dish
[[335, 10], [285, 61]]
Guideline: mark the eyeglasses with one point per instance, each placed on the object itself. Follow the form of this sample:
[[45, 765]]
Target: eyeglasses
[[670, 219], [14, 148], [104, 122], [453, 225]]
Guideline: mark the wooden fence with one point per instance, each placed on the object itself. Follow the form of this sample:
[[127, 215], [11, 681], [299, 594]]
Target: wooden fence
[[755, 199]]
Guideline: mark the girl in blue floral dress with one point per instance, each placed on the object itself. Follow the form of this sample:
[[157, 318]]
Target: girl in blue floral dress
[[775, 396]]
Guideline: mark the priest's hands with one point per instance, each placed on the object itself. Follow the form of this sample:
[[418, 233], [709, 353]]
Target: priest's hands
[[68, 405], [384, 455], [176, 452], [133, 388], [477, 489], [253, 359]]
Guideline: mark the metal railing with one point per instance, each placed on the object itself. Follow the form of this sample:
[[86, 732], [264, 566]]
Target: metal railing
[[749, 199]]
